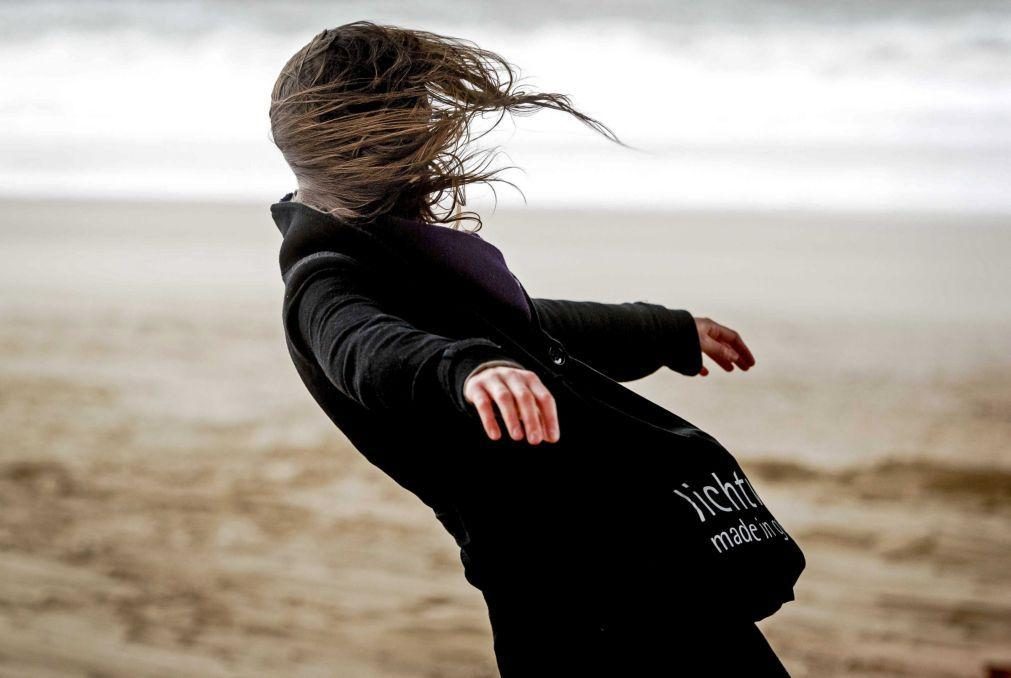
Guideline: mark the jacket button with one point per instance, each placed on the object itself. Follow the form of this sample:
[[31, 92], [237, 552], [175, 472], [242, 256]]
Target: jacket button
[[557, 356]]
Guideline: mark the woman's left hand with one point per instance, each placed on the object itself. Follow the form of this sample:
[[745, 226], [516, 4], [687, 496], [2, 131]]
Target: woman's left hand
[[723, 345]]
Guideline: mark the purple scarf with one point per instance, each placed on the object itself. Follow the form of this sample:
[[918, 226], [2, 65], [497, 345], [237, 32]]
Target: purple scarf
[[468, 255]]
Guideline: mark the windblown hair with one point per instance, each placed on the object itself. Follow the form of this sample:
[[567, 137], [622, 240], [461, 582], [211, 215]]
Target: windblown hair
[[376, 119]]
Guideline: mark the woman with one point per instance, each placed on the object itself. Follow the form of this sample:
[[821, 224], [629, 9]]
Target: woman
[[630, 543]]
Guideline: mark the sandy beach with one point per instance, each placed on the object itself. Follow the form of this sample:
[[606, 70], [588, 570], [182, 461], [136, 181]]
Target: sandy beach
[[172, 502]]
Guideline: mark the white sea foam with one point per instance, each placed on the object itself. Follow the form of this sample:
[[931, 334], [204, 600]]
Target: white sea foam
[[738, 105]]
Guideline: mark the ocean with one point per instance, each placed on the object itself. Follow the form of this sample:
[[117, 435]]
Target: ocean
[[901, 106]]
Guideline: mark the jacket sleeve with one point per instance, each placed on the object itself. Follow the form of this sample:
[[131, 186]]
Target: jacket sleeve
[[625, 341], [374, 357]]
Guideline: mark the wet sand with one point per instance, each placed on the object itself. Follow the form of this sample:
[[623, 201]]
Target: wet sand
[[173, 502]]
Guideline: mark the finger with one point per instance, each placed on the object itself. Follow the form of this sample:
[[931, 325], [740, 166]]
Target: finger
[[717, 357], [528, 408], [703, 372], [548, 408], [722, 332], [483, 402], [729, 354], [721, 354], [503, 397], [747, 359], [540, 423], [728, 336]]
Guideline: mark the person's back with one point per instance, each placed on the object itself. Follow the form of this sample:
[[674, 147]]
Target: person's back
[[430, 355]]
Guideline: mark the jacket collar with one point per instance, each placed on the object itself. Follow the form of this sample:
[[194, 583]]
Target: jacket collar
[[283, 213], [306, 230]]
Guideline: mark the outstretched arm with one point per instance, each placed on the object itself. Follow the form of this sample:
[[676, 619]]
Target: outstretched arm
[[634, 339], [383, 362], [624, 341], [374, 357]]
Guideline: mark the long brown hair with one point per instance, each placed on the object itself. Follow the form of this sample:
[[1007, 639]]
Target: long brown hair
[[375, 120]]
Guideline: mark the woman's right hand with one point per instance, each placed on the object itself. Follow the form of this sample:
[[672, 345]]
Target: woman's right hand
[[527, 407]]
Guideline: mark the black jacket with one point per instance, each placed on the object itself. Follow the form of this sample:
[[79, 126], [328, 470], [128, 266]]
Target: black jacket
[[383, 341], [340, 320]]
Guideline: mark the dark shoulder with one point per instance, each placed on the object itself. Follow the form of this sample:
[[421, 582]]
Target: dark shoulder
[[326, 265]]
